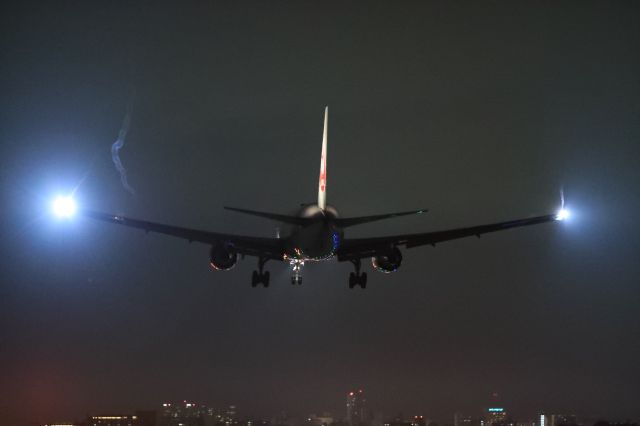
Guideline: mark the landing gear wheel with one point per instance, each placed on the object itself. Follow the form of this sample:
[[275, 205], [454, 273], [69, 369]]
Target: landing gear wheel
[[352, 280], [260, 277], [363, 280], [296, 271], [357, 278]]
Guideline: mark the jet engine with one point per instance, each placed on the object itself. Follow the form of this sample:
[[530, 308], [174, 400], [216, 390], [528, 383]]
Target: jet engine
[[388, 261], [221, 258]]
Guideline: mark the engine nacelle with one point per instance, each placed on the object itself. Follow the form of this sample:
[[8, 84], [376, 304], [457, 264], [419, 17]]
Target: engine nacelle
[[388, 261], [221, 258]]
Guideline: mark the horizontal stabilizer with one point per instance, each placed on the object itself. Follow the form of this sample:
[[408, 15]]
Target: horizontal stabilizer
[[351, 221], [294, 220]]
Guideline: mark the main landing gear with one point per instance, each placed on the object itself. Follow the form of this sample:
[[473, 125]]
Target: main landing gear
[[357, 278], [260, 277]]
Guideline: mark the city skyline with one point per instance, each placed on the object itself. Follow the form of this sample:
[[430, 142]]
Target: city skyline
[[357, 412]]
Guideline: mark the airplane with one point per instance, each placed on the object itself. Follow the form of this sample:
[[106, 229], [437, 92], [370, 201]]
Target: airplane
[[317, 234]]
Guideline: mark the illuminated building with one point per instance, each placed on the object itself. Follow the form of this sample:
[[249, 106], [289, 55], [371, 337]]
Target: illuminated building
[[140, 418], [62, 424], [556, 420], [115, 420], [231, 412], [188, 413], [495, 416], [419, 421], [183, 413], [356, 408]]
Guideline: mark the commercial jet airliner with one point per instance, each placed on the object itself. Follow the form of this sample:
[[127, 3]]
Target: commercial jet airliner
[[317, 233]]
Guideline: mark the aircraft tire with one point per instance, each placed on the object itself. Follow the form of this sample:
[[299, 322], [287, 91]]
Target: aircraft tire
[[363, 280], [265, 279]]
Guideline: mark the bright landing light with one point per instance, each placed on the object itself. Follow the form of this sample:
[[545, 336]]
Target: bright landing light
[[64, 206], [563, 214]]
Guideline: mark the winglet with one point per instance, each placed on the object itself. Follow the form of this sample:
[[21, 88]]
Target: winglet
[[322, 184]]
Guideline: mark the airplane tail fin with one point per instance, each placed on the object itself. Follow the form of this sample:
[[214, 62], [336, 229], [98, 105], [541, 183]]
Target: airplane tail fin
[[294, 220], [322, 184], [351, 221]]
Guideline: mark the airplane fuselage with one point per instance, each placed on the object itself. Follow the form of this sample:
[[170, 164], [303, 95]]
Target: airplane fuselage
[[317, 240]]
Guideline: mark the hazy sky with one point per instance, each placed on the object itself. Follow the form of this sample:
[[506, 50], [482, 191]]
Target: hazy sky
[[480, 111]]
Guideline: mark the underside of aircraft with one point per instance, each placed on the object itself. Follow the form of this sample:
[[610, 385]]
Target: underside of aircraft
[[317, 234]]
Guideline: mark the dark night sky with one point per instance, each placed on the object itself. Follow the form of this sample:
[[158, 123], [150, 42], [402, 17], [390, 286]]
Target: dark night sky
[[480, 112]]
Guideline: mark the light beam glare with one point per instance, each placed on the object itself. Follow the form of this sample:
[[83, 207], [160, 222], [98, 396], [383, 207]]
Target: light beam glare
[[77, 187]]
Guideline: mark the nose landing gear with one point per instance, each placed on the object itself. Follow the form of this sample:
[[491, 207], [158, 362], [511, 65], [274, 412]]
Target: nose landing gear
[[357, 278], [260, 277], [296, 272]]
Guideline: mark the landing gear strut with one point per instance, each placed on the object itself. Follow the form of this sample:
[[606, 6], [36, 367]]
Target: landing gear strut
[[357, 278], [296, 272], [260, 277]]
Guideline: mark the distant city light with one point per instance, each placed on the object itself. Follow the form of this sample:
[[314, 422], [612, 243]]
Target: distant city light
[[563, 214], [64, 206], [496, 410]]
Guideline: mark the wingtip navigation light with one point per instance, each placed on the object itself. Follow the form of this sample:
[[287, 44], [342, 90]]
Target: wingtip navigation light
[[64, 206]]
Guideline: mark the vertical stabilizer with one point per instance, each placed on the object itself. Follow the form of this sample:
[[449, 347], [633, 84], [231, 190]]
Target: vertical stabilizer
[[322, 184]]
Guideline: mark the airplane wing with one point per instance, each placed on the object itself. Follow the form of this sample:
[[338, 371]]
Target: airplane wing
[[358, 248], [271, 248], [351, 221]]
